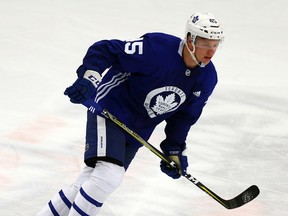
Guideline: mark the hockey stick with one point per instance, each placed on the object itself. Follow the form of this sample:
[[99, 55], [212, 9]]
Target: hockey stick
[[246, 196]]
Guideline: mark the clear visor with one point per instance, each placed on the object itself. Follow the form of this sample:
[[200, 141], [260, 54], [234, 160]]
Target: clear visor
[[203, 43]]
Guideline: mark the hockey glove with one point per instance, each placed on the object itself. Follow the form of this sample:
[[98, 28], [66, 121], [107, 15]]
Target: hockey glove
[[177, 154], [84, 87]]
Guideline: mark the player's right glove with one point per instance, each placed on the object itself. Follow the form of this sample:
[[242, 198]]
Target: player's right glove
[[177, 154], [84, 87]]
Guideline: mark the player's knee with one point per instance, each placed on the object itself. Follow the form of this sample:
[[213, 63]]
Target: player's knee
[[108, 176]]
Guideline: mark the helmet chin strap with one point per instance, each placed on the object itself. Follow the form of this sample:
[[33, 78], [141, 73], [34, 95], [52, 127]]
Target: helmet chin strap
[[193, 56]]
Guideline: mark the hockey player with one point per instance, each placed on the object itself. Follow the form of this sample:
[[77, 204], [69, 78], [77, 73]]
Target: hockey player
[[157, 77]]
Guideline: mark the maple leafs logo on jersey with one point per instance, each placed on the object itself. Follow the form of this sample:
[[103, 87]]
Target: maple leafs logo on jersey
[[163, 100], [163, 105]]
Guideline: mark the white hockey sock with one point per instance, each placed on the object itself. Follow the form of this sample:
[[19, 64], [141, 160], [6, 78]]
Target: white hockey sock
[[105, 178], [61, 203]]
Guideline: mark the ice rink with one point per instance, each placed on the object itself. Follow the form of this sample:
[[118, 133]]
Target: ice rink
[[240, 140]]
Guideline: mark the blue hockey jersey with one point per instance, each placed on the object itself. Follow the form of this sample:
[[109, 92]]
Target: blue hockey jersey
[[148, 82]]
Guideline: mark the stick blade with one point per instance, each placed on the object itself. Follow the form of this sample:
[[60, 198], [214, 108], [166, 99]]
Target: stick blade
[[246, 196]]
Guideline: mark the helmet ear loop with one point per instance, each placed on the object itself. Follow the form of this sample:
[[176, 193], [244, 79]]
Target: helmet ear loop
[[192, 53], [194, 48]]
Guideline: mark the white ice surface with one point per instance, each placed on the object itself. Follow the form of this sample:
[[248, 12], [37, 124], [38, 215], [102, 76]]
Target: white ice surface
[[241, 138]]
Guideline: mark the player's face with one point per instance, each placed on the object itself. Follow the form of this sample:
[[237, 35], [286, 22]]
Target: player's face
[[205, 49]]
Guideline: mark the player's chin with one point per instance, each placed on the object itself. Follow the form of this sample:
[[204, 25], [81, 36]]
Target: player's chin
[[206, 60]]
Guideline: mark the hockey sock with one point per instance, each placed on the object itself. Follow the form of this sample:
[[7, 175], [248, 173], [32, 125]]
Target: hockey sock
[[61, 203], [105, 178]]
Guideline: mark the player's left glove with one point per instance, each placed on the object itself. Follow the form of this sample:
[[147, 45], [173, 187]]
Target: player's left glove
[[177, 154], [84, 87]]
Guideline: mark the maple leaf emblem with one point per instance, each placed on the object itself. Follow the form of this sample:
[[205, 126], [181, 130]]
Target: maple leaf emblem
[[164, 105]]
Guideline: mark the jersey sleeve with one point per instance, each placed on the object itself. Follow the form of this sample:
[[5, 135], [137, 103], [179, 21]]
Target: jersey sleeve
[[100, 56], [129, 56], [179, 124]]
